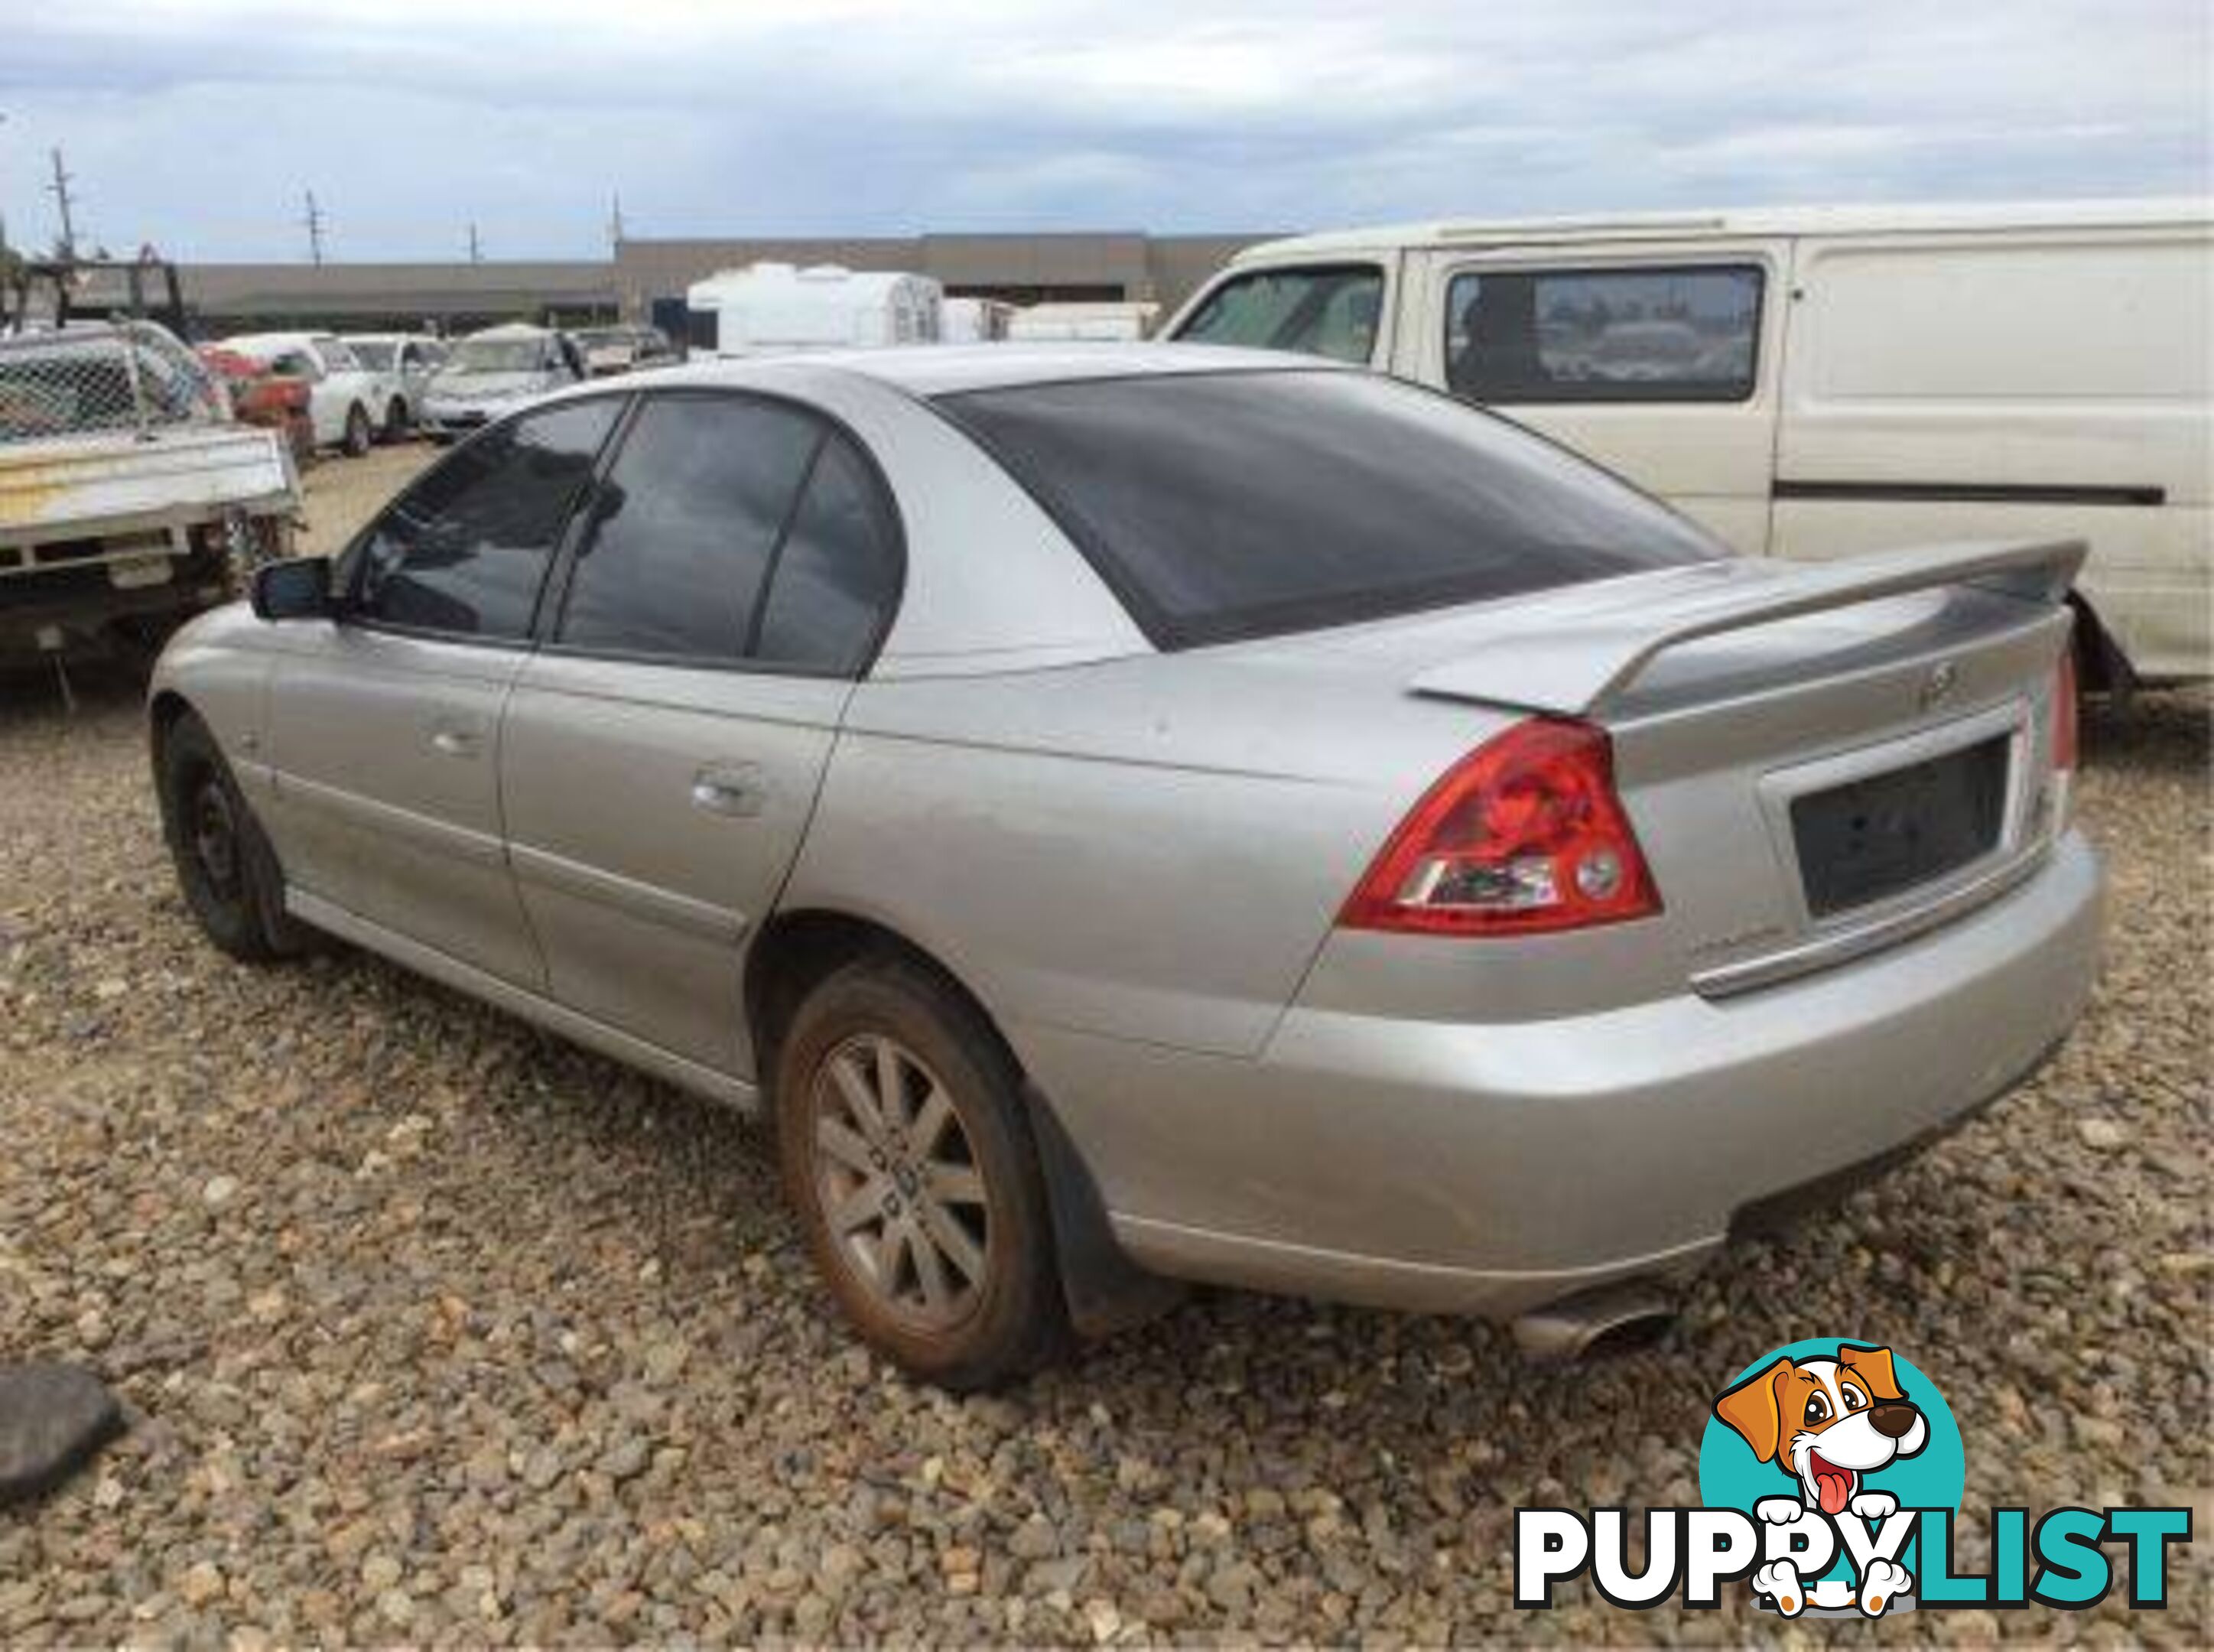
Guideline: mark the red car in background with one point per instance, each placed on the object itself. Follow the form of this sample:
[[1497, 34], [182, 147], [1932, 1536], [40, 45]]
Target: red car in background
[[259, 396]]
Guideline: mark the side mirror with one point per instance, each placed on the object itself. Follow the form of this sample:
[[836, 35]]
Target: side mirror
[[298, 588]]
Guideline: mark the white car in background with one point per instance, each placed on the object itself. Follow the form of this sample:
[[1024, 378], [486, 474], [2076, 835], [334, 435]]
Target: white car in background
[[491, 372], [409, 359], [348, 403], [623, 348]]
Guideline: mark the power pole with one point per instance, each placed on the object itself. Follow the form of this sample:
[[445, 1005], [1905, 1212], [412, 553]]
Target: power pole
[[314, 224], [476, 252], [614, 222], [59, 189]]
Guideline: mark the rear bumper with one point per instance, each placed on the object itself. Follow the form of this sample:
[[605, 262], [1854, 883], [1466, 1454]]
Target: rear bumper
[[1489, 1168]]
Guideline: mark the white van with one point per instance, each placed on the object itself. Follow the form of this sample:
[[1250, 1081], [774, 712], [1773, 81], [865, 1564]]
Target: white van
[[770, 309], [1106, 321], [1816, 382]]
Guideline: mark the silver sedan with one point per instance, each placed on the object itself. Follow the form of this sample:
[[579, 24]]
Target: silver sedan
[[1130, 815]]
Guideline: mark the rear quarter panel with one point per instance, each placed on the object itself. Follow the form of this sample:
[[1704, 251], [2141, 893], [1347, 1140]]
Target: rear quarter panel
[[1150, 849]]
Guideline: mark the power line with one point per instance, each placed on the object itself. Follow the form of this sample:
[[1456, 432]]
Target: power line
[[314, 224]]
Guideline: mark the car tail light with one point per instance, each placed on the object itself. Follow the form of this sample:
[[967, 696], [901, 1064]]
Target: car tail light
[[1525, 834], [2064, 731], [2060, 784]]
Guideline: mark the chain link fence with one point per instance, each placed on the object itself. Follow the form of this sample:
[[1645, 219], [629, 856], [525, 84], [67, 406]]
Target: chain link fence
[[112, 376]]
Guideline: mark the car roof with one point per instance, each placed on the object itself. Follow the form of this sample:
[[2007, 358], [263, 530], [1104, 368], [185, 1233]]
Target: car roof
[[1957, 217], [945, 368]]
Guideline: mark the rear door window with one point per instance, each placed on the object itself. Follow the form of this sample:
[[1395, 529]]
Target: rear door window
[[1220, 505], [1330, 311], [837, 574], [464, 551], [1689, 333], [734, 529], [672, 564]]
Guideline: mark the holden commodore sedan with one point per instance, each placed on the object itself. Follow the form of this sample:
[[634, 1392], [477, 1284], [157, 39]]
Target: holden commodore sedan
[[1165, 813]]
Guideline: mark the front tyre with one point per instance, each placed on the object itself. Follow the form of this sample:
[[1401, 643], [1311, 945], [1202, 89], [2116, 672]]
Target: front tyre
[[225, 866], [906, 1152]]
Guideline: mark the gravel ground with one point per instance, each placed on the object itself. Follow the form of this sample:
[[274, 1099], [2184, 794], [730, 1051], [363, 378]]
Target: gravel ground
[[436, 1329]]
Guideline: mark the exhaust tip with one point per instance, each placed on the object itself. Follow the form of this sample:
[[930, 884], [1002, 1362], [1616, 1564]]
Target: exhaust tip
[[1597, 1324]]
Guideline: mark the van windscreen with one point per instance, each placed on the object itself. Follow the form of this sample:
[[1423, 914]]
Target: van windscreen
[[1220, 505]]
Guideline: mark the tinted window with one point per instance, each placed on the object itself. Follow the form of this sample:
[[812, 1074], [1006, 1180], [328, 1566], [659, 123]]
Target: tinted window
[[1225, 505], [838, 571], [464, 550], [1318, 312], [1603, 335], [682, 530]]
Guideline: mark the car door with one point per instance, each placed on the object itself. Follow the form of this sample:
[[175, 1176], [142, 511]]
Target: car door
[[384, 724], [1656, 361], [662, 751]]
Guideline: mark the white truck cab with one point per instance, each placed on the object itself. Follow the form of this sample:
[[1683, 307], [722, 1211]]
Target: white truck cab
[[1812, 383], [769, 308]]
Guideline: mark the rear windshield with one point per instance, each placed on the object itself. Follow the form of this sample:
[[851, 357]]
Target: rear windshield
[[1221, 505]]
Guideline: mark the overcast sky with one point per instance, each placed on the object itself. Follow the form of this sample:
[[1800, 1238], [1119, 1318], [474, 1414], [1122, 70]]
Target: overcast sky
[[198, 123]]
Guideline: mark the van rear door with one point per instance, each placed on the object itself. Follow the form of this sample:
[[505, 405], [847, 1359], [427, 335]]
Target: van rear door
[[1658, 360]]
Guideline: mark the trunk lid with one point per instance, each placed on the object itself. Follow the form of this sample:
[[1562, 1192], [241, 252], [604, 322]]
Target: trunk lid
[[1819, 761]]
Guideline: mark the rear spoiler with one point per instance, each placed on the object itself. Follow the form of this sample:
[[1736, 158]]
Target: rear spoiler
[[1575, 667]]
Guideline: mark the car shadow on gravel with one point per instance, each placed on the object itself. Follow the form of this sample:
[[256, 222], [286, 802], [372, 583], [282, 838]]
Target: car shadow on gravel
[[31, 696]]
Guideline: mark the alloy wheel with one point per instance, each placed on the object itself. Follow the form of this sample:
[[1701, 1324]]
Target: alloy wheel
[[898, 1182]]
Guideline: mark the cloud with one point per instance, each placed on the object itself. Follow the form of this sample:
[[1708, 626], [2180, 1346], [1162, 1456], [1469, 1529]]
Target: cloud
[[199, 125]]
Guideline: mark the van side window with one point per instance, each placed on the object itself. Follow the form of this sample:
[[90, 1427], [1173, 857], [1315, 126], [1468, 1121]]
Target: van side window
[[1327, 311], [1683, 333]]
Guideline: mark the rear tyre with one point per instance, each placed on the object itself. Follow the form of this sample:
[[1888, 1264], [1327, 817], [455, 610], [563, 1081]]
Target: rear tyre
[[225, 866], [359, 434], [906, 1153]]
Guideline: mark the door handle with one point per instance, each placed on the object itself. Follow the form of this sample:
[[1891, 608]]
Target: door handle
[[452, 740], [736, 790]]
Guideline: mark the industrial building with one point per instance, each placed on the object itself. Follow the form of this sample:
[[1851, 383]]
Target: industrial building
[[646, 279]]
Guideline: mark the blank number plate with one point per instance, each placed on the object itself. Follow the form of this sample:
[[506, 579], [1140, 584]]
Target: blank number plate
[[1883, 835]]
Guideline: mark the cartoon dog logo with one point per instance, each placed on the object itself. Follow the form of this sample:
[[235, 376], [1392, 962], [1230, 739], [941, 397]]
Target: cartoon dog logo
[[1829, 1424]]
